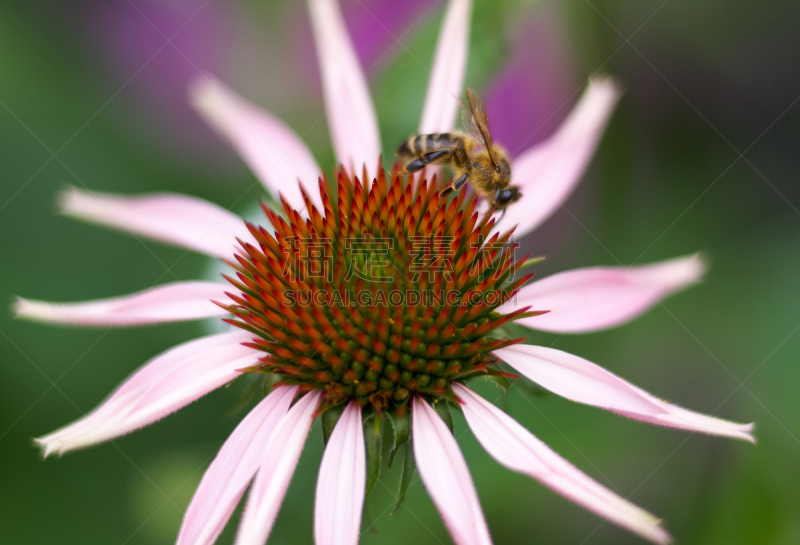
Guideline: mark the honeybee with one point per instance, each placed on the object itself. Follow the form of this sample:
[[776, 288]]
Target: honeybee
[[473, 157]]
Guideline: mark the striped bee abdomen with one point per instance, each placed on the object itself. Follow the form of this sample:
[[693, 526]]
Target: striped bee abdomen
[[437, 148], [423, 143]]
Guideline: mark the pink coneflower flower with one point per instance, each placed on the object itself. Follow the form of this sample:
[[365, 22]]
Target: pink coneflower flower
[[321, 293]]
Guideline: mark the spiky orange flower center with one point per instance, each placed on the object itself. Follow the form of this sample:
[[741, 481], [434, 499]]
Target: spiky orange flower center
[[386, 292]]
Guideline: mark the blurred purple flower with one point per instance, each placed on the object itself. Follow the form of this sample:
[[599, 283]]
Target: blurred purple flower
[[156, 48]]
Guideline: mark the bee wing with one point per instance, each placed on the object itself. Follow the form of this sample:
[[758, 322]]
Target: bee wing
[[468, 123], [481, 122]]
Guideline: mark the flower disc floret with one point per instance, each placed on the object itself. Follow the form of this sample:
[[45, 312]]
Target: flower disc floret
[[388, 291]]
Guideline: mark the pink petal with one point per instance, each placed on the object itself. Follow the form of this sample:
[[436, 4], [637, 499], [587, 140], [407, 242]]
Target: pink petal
[[549, 171], [279, 460], [340, 487], [444, 472], [582, 381], [592, 299], [232, 470], [348, 106], [272, 150], [167, 303], [180, 220], [162, 386], [517, 449], [447, 76]]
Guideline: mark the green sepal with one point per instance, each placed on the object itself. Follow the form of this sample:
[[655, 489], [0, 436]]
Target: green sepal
[[406, 475], [269, 382], [402, 431], [532, 389], [503, 332], [443, 409], [368, 518], [329, 420], [373, 436], [513, 330], [500, 381], [250, 391]]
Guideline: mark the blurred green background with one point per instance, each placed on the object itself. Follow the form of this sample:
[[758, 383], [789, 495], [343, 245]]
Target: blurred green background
[[702, 153]]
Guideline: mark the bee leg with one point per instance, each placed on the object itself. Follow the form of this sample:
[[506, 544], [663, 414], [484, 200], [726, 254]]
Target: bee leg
[[415, 165], [455, 186], [434, 155], [461, 181], [419, 164]]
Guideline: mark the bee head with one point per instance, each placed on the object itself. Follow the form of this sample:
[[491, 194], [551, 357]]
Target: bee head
[[506, 196]]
